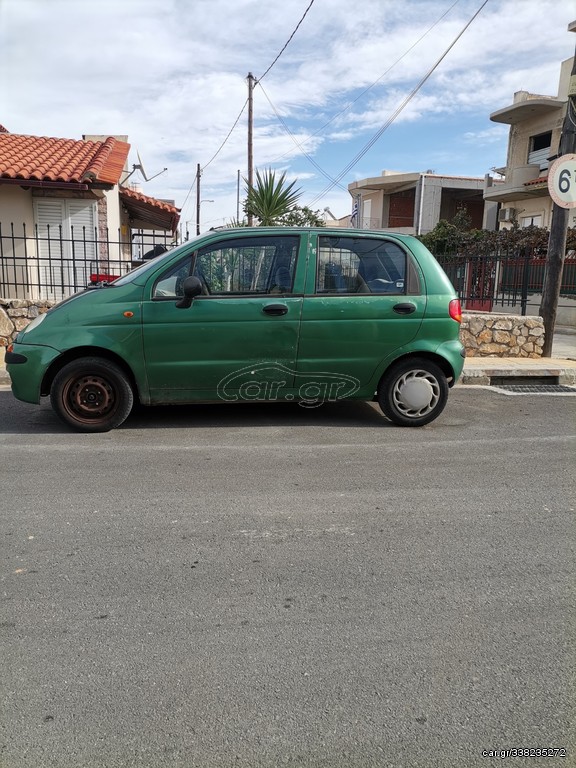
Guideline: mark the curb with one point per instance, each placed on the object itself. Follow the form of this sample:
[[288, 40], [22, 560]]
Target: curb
[[481, 371], [567, 377]]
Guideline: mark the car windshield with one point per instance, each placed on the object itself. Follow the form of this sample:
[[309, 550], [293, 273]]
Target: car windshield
[[149, 265]]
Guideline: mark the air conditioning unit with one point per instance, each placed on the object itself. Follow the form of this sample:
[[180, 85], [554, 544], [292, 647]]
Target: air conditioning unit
[[506, 214]]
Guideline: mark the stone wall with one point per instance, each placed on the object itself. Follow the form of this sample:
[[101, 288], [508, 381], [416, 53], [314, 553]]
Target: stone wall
[[483, 335], [490, 335], [15, 314]]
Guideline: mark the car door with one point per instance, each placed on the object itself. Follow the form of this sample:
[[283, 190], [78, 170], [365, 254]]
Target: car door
[[238, 339], [365, 300]]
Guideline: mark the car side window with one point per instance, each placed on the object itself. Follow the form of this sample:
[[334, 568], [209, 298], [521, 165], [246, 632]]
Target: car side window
[[259, 264], [246, 265], [170, 284], [360, 265]]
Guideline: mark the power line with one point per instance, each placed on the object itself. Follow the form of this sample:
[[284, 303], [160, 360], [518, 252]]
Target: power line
[[263, 76], [215, 154], [297, 143], [395, 114], [300, 145], [382, 76], [289, 40], [246, 102]]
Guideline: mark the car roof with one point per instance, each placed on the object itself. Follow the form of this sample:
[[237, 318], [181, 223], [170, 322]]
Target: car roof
[[341, 231]]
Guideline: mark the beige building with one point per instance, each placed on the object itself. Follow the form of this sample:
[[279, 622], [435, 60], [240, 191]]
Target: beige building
[[66, 218], [535, 128], [413, 203]]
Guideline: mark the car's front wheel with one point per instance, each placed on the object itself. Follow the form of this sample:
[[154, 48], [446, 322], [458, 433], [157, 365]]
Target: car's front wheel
[[91, 394], [413, 393]]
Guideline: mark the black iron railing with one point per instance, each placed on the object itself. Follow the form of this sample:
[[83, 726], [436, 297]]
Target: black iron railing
[[49, 264], [499, 280]]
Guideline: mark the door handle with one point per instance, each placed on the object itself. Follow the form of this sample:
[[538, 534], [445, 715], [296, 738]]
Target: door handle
[[275, 309], [406, 308]]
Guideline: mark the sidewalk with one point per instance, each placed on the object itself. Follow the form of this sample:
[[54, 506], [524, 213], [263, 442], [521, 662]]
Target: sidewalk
[[480, 370], [562, 366]]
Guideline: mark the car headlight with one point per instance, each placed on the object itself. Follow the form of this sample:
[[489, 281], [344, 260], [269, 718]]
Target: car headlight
[[34, 324]]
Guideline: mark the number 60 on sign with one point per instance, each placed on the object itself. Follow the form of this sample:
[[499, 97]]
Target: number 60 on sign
[[562, 181]]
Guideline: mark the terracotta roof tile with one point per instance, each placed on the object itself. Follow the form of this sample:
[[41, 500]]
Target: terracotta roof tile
[[39, 158], [534, 182], [132, 194], [141, 207]]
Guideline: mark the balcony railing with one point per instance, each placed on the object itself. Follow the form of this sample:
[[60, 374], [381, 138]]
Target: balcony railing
[[540, 157]]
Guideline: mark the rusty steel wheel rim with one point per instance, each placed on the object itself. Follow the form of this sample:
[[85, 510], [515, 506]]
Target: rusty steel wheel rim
[[89, 397]]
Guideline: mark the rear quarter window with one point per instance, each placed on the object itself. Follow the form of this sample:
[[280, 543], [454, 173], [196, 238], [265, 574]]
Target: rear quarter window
[[364, 265]]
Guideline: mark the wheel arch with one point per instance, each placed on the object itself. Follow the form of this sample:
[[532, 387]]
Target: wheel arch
[[75, 354], [440, 361]]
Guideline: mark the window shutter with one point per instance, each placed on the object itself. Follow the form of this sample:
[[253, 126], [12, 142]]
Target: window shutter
[[49, 216], [66, 245], [81, 215], [51, 247]]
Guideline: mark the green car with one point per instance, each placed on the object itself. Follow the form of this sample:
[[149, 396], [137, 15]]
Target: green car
[[258, 314]]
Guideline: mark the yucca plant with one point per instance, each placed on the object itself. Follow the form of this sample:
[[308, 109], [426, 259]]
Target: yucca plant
[[270, 199]]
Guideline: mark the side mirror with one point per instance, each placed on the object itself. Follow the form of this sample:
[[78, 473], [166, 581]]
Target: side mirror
[[192, 287]]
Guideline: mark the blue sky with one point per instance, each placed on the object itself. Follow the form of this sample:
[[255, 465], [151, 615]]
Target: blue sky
[[171, 74]]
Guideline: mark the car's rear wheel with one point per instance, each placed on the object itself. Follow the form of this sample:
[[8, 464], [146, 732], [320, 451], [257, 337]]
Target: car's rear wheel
[[413, 393], [91, 394]]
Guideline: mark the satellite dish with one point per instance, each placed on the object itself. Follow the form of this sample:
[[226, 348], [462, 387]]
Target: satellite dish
[[139, 166]]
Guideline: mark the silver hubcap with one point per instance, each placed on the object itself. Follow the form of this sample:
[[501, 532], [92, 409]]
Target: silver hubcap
[[416, 393]]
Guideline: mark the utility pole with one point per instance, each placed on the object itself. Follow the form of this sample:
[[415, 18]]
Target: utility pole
[[198, 174], [251, 82], [238, 198], [558, 226]]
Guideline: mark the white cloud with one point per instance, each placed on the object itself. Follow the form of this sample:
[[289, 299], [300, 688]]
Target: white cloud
[[172, 75], [489, 136]]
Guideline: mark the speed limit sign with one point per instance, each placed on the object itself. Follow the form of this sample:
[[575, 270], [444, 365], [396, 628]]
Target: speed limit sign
[[562, 181]]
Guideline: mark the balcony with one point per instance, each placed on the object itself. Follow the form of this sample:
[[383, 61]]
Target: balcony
[[526, 107], [519, 184]]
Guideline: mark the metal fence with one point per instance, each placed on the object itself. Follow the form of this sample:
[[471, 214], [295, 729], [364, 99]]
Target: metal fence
[[48, 264], [493, 280]]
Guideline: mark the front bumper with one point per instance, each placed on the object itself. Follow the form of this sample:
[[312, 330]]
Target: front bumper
[[27, 365]]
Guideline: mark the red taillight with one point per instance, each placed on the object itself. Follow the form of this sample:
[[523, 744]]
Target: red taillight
[[455, 310], [10, 348]]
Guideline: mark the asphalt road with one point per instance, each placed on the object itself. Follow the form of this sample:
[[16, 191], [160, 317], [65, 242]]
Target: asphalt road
[[274, 586]]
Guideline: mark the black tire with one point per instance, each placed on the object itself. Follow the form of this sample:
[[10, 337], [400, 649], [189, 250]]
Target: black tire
[[91, 394], [413, 393]]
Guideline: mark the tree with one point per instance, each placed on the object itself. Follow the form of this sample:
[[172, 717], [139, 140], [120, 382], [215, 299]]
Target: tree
[[271, 199], [444, 238], [302, 217], [462, 219]]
